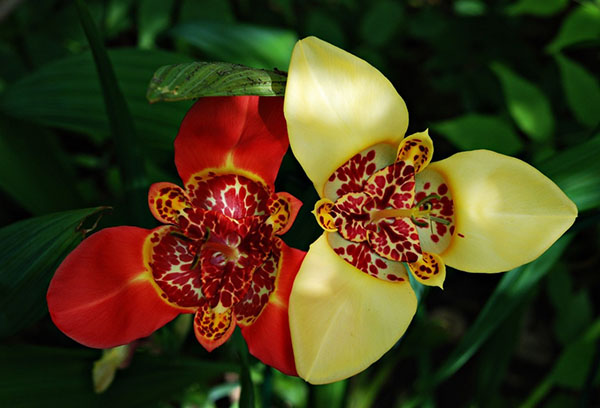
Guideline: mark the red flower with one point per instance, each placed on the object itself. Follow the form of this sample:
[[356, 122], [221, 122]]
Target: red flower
[[218, 255]]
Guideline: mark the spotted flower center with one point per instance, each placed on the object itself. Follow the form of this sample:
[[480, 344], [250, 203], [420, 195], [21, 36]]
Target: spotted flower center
[[382, 214], [218, 254]]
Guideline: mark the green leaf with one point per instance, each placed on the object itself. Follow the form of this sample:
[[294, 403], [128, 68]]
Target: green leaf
[[63, 378], [30, 251], [127, 149], [496, 354], [254, 46], [577, 172], [469, 7], [474, 131], [582, 91], [572, 367], [559, 286], [582, 24], [381, 22], [540, 8], [33, 169], [66, 94], [574, 315], [527, 105], [196, 79], [153, 17], [514, 287]]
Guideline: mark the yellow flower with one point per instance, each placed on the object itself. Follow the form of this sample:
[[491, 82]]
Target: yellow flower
[[384, 206]]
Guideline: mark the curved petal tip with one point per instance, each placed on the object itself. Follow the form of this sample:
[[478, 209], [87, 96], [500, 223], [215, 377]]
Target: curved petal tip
[[507, 213], [341, 319]]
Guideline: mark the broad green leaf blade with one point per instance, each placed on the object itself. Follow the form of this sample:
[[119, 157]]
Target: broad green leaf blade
[[127, 149], [514, 287], [66, 94], [254, 46], [30, 251], [581, 25], [196, 79], [63, 378], [577, 172], [474, 131], [541, 8], [527, 105], [33, 169], [582, 91]]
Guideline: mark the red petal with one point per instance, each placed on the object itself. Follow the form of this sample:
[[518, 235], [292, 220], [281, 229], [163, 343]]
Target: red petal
[[233, 132], [102, 295], [268, 337]]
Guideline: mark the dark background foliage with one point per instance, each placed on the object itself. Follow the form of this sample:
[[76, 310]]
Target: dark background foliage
[[515, 76]]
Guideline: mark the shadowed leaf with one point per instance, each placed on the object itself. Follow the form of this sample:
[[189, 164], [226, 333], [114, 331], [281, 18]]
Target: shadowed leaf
[[475, 131], [514, 287], [66, 94], [30, 251], [581, 25], [582, 91], [62, 377], [577, 172]]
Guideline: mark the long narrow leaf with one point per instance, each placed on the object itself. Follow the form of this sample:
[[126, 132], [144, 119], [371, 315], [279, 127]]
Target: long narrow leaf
[[511, 291], [127, 149], [577, 172], [66, 94]]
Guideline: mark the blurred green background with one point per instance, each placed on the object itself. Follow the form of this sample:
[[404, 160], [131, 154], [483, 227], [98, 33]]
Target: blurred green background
[[520, 77]]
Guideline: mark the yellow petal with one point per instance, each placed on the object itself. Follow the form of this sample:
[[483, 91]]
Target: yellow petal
[[336, 105], [507, 213], [341, 319]]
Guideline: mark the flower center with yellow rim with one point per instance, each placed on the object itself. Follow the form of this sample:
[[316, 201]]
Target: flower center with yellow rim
[[379, 214]]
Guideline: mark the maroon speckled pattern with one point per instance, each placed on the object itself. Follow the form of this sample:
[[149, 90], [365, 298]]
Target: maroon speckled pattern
[[373, 214], [220, 256]]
